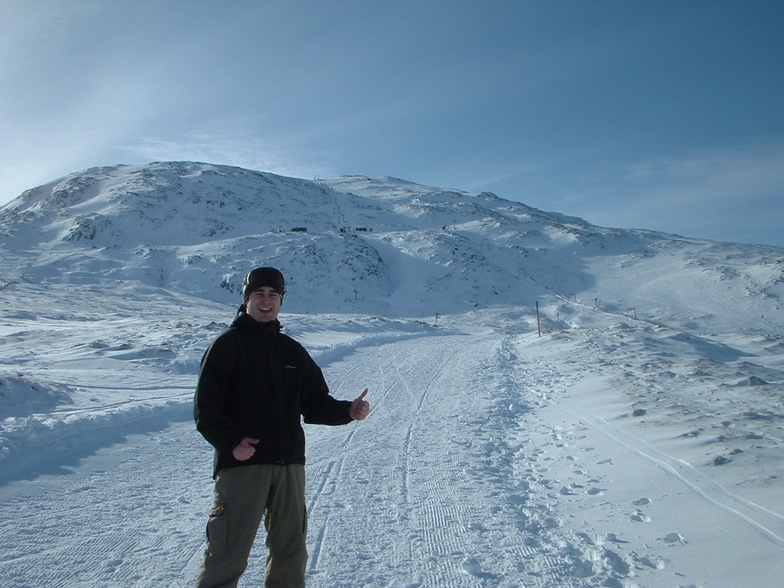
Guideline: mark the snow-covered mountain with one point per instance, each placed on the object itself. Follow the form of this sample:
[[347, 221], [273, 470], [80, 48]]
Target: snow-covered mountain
[[629, 435], [372, 245]]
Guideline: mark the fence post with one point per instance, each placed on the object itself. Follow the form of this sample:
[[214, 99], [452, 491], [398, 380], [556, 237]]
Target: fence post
[[538, 323]]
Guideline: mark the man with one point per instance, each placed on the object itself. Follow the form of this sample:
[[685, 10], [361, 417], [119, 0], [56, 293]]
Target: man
[[255, 384]]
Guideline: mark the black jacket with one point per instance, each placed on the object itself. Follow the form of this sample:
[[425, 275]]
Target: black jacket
[[256, 382]]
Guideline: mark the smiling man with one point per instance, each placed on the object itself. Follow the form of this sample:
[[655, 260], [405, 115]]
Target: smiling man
[[255, 386]]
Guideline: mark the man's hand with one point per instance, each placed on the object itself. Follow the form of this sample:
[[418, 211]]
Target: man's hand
[[360, 408], [245, 449]]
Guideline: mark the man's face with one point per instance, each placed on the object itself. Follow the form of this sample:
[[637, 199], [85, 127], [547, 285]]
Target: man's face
[[264, 304]]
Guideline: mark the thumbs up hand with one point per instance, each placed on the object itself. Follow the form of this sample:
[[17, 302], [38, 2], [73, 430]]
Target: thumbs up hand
[[360, 408]]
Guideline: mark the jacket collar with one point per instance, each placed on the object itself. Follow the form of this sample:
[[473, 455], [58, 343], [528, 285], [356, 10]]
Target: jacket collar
[[245, 321]]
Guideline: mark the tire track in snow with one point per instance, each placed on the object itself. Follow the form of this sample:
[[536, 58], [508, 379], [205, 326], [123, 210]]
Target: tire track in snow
[[439, 508], [329, 476], [413, 367], [445, 520], [413, 421]]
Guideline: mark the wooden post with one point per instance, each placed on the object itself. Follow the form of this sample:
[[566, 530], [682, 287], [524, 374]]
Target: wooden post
[[538, 324]]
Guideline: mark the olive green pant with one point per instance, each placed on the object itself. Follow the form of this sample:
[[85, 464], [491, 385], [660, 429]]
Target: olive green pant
[[243, 496]]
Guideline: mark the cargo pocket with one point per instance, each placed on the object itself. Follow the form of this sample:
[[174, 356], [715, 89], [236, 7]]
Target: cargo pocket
[[218, 530]]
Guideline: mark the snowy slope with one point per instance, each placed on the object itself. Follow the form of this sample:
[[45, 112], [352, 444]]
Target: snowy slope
[[637, 442], [371, 244]]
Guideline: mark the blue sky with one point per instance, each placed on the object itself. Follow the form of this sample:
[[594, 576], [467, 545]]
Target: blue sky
[[658, 114]]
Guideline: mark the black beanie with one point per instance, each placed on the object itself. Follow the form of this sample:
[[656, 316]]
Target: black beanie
[[260, 277]]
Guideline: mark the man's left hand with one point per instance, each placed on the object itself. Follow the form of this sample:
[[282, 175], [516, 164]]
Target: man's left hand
[[360, 408]]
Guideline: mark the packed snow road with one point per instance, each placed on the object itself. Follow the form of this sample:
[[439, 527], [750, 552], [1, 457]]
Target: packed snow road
[[419, 494], [488, 460]]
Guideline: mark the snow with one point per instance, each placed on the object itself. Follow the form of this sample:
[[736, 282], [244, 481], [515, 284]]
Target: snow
[[635, 442]]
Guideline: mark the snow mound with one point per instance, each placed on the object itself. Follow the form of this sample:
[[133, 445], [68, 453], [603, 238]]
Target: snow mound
[[21, 396]]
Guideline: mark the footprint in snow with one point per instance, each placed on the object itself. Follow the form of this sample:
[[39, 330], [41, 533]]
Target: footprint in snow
[[655, 563], [673, 538], [472, 566], [642, 502], [640, 517], [612, 537]]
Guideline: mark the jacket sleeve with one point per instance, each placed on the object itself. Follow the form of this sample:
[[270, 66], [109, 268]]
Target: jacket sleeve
[[210, 407], [318, 406]]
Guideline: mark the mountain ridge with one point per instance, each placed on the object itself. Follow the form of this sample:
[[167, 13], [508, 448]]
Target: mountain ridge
[[374, 245]]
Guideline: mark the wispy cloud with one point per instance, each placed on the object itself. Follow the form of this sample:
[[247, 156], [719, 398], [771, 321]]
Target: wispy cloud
[[708, 175], [231, 148], [697, 191]]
